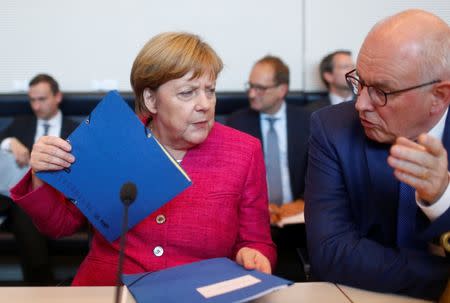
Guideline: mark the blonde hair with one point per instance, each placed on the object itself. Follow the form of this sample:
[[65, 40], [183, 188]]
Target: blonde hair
[[169, 56]]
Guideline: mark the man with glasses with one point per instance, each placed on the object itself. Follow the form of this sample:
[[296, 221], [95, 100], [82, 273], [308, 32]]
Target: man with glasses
[[333, 68], [377, 192], [283, 130]]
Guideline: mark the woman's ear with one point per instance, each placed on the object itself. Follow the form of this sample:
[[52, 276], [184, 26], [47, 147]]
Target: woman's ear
[[150, 100]]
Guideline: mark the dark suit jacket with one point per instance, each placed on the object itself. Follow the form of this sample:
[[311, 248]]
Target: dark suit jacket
[[318, 104], [31, 245], [247, 120], [24, 129], [351, 212]]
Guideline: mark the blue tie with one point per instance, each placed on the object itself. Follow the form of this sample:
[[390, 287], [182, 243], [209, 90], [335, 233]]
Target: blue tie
[[407, 211], [46, 127], [273, 164]]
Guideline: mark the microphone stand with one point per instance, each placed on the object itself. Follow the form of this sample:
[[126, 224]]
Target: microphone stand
[[127, 196], [123, 238]]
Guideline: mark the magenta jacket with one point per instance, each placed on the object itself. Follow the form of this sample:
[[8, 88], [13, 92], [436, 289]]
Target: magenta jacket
[[225, 209]]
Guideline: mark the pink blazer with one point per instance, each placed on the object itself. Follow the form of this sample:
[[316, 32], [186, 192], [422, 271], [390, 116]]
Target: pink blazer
[[225, 209]]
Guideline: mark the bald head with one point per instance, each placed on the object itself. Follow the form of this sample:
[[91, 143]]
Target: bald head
[[406, 60], [417, 37]]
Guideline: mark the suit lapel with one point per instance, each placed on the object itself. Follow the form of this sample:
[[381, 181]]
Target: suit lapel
[[255, 125], [292, 138], [66, 128], [383, 188], [29, 132]]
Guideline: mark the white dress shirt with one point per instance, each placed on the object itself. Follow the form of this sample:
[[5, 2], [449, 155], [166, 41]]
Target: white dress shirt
[[54, 129], [335, 99], [281, 128]]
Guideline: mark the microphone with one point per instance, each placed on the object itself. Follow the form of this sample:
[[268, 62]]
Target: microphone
[[128, 193]]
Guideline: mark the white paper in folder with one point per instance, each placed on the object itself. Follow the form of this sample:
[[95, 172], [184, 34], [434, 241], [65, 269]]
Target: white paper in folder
[[10, 172]]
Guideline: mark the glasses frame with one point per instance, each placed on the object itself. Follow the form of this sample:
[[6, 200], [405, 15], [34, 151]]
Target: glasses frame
[[260, 89], [357, 91]]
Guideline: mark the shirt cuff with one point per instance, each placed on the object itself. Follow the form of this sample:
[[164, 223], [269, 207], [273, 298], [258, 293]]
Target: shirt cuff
[[6, 144], [435, 210]]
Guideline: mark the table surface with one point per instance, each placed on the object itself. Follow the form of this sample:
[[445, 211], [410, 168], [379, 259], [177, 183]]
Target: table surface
[[357, 295], [316, 292]]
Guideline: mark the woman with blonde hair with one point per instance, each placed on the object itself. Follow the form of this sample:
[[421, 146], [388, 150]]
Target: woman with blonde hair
[[225, 211]]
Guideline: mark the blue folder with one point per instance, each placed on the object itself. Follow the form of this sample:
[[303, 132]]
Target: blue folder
[[187, 283], [112, 147]]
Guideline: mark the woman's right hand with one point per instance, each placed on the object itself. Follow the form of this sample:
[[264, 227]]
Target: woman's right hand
[[51, 153]]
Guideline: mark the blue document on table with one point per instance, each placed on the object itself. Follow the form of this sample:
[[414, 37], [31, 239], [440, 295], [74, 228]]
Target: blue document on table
[[215, 280], [113, 147]]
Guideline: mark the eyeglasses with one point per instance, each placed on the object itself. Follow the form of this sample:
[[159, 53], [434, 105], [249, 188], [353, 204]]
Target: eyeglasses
[[377, 95], [259, 89]]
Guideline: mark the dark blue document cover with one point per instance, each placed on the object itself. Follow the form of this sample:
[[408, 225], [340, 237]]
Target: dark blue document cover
[[215, 280], [112, 147]]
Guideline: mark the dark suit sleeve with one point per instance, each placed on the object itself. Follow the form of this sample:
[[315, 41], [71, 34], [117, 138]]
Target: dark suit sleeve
[[23, 128], [7, 131], [338, 251], [235, 121]]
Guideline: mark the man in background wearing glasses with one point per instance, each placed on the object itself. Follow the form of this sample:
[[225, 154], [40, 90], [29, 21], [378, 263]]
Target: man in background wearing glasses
[[283, 131], [377, 191]]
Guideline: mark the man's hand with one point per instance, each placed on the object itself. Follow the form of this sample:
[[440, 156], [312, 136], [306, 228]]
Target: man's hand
[[274, 211], [250, 258], [292, 209], [20, 152], [285, 210], [422, 165]]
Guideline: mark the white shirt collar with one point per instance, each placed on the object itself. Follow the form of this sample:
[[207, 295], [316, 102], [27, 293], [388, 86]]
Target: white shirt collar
[[438, 130], [280, 114], [335, 99], [54, 121]]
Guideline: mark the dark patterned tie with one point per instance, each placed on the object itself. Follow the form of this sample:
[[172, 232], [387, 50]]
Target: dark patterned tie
[[407, 211], [46, 127], [273, 164]]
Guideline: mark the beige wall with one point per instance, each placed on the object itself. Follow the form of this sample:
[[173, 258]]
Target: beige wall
[[90, 44]]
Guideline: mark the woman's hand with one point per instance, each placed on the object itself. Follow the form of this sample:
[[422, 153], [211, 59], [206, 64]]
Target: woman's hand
[[51, 153], [250, 258]]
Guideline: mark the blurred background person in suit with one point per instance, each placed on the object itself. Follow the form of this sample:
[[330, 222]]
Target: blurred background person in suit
[[45, 99], [283, 131], [332, 70], [18, 139], [223, 214]]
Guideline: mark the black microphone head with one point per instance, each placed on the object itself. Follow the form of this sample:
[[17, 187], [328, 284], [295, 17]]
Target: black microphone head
[[128, 193]]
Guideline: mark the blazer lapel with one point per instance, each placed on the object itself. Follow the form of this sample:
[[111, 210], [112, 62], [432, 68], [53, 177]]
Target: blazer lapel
[[29, 131], [292, 136], [255, 125], [383, 188]]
